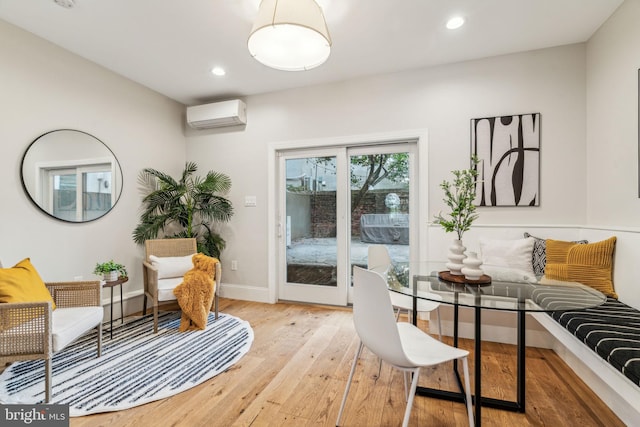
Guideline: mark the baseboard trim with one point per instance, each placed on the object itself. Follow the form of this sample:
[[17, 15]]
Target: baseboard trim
[[245, 292], [132, 300]]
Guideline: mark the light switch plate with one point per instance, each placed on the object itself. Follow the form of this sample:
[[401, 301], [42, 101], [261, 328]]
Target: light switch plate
[[250, 201]]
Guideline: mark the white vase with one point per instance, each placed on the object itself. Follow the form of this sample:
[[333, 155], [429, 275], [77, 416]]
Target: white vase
[[456, 256], [471, 269]]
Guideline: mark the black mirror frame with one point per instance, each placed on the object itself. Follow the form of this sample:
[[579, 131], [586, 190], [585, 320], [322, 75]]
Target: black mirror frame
[[32, 199]]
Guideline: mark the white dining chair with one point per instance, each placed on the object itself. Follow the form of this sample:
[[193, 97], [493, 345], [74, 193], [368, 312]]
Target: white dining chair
[[401, 344], [378, 260]]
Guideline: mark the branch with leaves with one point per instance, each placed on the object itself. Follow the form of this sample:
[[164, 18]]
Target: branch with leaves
[[459, 197]]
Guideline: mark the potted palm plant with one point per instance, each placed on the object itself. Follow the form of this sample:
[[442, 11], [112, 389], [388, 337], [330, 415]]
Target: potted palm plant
[[110, 270], [187, 207], [459, 196]]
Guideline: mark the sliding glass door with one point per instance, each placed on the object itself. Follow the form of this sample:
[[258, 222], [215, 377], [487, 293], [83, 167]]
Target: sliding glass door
[[334, 203], [380, 203], [314, 226]]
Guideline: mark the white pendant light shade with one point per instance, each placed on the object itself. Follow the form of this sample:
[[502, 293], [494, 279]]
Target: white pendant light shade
[[290, 35]]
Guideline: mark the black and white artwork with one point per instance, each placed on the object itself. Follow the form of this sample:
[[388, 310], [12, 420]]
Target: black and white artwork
[[508, 150]]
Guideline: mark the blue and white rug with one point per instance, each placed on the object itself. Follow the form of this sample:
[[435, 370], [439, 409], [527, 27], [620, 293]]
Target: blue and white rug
[[136, 367]]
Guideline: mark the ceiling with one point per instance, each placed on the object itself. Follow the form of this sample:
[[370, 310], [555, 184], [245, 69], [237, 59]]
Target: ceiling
[[171, 46]]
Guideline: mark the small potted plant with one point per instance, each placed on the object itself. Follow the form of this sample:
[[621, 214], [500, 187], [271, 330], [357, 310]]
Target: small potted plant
[[110, 270], [459, 197]]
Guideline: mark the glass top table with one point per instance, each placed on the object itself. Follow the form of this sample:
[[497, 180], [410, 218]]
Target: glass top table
[[429, 281], [421, 280]]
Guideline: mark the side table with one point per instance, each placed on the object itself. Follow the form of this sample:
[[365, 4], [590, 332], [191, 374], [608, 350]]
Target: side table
[[111, 284]]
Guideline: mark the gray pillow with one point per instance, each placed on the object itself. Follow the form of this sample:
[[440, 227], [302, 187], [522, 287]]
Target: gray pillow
[[539, 254]]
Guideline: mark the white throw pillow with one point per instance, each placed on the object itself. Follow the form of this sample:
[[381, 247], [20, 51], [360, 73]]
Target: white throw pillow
[[173, 266], [505, 255]]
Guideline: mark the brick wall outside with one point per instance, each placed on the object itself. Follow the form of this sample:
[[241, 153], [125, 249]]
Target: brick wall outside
[[323, 210]]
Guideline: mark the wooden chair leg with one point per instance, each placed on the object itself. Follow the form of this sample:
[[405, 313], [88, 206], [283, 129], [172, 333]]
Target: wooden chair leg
[[144, 304], [99, 332], [215, 299], [47, 379], [155, 319]]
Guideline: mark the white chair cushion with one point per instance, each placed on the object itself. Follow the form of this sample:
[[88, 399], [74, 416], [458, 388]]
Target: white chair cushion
[[169, 267], [70, 323], [166, 287]]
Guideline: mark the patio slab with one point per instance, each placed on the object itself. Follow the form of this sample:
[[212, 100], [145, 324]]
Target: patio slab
[[322, 252]]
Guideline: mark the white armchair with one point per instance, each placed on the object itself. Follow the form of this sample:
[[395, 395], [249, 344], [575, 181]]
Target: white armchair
[[160, 281]]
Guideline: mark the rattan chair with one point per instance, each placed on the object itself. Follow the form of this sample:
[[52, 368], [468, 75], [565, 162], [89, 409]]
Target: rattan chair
[[32, 330], [168, 248]]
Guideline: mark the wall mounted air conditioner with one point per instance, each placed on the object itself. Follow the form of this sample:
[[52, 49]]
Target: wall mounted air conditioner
[[217, 114]]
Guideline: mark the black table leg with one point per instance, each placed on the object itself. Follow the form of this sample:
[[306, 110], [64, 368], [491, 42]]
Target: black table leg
[[522, 347], [121, 307], [478, 366], [478, 400], [111, 318]]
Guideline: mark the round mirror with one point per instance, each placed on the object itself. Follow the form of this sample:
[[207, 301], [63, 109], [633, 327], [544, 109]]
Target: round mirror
[[71, 175]]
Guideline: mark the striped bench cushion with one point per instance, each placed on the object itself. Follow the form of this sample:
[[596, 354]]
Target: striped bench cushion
[[612, 330]]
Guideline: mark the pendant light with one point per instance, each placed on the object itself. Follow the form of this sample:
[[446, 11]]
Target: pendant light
[[290, 35]]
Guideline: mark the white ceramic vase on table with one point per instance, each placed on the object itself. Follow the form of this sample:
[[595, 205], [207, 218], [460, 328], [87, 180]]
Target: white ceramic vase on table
[[456, 256], [471, 266]]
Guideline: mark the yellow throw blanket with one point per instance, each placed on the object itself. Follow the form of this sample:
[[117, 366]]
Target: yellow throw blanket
[[195, 293]]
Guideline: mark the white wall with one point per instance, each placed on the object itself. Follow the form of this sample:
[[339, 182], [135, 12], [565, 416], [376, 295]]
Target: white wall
[[612, 120], [46, 88], [442, 100]]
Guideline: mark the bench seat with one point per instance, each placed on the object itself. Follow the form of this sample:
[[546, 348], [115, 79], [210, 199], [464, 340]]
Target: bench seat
[[611, 330]]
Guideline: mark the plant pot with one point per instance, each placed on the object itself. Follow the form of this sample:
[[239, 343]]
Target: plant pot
[[456, 256], [110, 276]]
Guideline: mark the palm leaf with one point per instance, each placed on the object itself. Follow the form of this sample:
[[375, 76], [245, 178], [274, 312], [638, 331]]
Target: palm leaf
[[184, 208]]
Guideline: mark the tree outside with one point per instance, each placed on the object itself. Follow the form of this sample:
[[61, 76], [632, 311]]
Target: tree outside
[[367, 172]]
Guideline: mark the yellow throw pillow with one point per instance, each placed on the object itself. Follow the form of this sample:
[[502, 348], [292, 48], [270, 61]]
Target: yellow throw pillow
[[22, 283], [590, 264]]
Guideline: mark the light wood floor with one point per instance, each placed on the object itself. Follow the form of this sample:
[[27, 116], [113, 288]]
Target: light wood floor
[[296, 371]]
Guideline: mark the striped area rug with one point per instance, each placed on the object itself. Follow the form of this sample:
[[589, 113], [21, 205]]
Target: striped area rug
[[136, 367]]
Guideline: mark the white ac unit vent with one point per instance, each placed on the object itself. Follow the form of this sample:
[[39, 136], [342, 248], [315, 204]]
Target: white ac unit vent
[[217, 114]]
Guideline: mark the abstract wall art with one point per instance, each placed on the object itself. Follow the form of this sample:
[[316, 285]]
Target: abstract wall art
[[508, 150]]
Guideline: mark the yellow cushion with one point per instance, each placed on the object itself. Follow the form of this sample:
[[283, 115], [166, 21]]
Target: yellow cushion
[[590, 264], [22, 283]]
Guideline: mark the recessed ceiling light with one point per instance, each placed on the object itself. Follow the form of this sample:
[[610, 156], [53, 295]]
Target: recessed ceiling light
[[218, 71], [455, 22]]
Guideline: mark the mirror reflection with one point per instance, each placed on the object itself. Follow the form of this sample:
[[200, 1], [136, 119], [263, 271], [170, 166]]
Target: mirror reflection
[[71, 175]]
